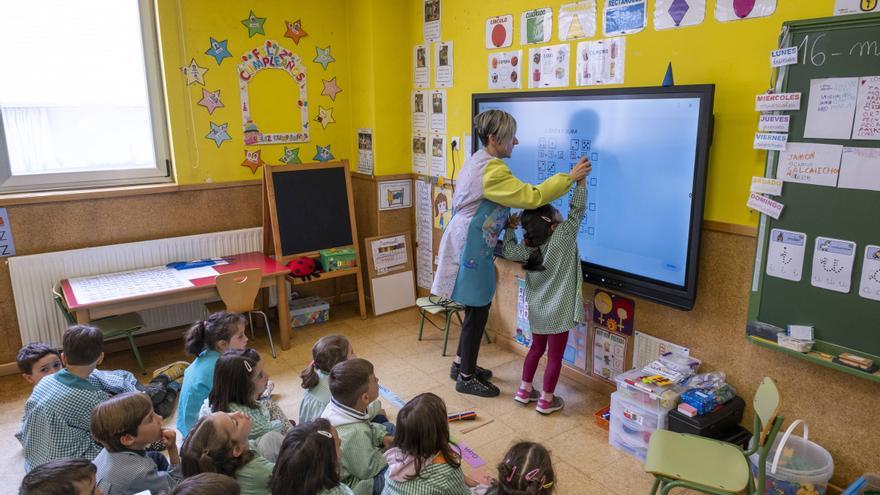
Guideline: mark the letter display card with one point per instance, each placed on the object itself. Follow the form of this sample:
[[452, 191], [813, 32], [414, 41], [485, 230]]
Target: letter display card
[[833, 264], [785, 256]]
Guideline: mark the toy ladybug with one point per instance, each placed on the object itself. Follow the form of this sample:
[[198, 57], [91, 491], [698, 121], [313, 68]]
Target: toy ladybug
[[305, 268]]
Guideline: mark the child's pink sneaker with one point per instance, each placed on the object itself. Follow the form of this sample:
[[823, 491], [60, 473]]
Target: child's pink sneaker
[[548, 407], [524, 396]]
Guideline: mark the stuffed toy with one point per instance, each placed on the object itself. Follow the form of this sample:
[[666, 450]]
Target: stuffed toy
[[305, 268]]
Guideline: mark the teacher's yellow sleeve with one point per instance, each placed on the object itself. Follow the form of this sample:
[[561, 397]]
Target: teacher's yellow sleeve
[[500, 186]]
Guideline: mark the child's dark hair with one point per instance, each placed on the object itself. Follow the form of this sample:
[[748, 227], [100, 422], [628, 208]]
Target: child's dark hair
[[207, 484], [209, 450], [327, 352], [117, 416], [349, 380], [307, 463], [31, 353], [57, 477], [526, 470], [206, 333], [537, 227], [82, 345], [234, 380], [423, 431]]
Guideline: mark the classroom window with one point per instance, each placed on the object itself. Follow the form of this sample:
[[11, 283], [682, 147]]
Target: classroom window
[[81, 101]]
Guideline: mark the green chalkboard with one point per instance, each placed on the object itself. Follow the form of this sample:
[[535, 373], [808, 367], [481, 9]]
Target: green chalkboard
[[847, 46]]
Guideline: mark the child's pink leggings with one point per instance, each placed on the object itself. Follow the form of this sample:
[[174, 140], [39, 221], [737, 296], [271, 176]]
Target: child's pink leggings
[[554, 359]]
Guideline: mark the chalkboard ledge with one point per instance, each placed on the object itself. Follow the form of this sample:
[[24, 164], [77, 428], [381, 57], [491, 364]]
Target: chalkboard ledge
[[324, 276], [824, 347]]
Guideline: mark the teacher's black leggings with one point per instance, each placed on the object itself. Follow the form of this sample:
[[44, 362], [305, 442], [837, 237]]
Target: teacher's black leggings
[[472, 328]]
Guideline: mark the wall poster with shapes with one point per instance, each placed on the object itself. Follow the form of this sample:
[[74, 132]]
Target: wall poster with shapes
[[601, 62], [624, 17], [432, 20], [443, 64], [420, 110], [849, 7], [7, 245], [867, 124], [441, 207], [830, 108], [833, 261], [536, 26], [395, 194], [365, 151], [614, 312], [609, 354], [499, 31], [421, 76], [504, 70], [785, 255], [735, 10], [438, 156], [438, 110], [860, 169], [577, 20], [523, 330], [810, 163], [548, 66], [869, 286], [420, 154], [670, 14], [424, 236]]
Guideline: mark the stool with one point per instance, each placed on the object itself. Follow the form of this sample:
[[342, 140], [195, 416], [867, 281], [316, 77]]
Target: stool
[[436, 305]]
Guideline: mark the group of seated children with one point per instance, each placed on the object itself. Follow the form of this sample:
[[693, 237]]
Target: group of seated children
[[89, 431]]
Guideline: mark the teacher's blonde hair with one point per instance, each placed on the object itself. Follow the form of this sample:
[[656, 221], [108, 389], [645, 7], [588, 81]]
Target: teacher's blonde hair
[[496, 123]]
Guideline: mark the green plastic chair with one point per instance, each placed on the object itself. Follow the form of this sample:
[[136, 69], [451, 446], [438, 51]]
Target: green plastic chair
[[712, 466], [436, 305], [112, 326]]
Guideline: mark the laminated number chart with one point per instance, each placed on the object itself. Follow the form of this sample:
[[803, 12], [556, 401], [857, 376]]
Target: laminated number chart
[[122, 285]]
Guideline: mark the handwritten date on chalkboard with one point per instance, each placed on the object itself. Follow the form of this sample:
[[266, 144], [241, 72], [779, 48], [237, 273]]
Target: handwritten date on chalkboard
[[813, 50]]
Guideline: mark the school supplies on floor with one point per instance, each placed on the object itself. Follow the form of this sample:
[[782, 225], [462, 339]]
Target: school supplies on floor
[[462, 416]]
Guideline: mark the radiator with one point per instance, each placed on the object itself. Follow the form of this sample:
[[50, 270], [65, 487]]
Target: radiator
[[40, 320]]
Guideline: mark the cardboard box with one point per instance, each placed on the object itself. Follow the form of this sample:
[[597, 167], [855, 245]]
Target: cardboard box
[[308, 310], [337, 258]]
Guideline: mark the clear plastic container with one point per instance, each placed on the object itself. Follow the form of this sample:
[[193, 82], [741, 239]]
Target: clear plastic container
[[632, 425], [804, 467], [652, 396]]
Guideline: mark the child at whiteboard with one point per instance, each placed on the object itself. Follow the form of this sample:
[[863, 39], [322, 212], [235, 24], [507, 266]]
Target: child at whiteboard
[[549, 254]]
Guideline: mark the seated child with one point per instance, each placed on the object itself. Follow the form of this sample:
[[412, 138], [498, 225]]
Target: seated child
[[421, 461], [125, 425], [309, 460], [207, 484], [57, 414], [219, 444], [206, 340], [354, 386], [526, 469], [69, 476]]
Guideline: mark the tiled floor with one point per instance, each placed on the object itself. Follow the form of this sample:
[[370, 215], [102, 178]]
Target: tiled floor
[[584, 462]]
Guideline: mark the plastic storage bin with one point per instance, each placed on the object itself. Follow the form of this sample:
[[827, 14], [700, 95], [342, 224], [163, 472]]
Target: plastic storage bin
[[657, 398], [865, 484], [632, 424], [308, 310], [803, 468]]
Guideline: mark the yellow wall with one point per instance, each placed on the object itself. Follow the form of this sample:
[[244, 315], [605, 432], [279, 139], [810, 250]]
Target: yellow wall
[[734, 56]]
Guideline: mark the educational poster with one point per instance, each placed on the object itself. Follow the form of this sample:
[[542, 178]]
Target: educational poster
[[536, 26], [504, 70], [765, 185], [609, 354], [775, 141], [365, 151], [443, 64], [577, 348], [810, 163], [833, 264], [764, 205], [600, 62], [420, 154], [577, 20], [7, 245], [523, 331], [395, 194], [735, 10], [785, 255], [831, 107], [441, 207], [389, 253], [419, 111], [432, 20], [848, 7], [647, 349], [860, 169], [616, 313], [499, 31], [438, 110], [669, 14], [438, 156], [420, 66], [867, 124], [624, 17], [869, 286], [424, 235], [772, 102], [548, 66], [774, 123]]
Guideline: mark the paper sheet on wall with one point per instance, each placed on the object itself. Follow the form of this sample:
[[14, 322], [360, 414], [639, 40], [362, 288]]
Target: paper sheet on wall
[[421, 76], [833, 261], [867, 122], [443, 64], [601, 62], [365, 151], [441, 207], [785, 255], [784, 56], [112, 286], [420, 154], [432, 20], [577, 20], [438, 156], [395, 194], [523, 330], [609, 353], [548, 66], [771, 102], [869, 285], [536, 26], [765, 185], [504, 70], [499, 31], [424, 235], [860, 169], [810, 163], [773, 123], [765, 205], [419, 110], [831, 107], [735, 10], [389, 253], [770, 141], [576, 349], [624, 17], [669, 14], [438, 110], [647, 348], [7, 245], [848, 7]]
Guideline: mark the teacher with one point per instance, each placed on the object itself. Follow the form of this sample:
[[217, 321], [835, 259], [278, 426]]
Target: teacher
[[485, 191]]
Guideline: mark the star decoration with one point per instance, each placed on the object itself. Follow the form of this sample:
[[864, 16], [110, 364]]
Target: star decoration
[[330, 88], [323, 154], [290, 156], [218, 50], [211, 100], [325, 116], [194, 73], [324, 58], [295, 30], [254, 24], [218, 133], [252, 160]]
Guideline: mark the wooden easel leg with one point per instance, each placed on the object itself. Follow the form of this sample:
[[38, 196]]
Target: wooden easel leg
[[338, 298], [360, 289], [82, 316], [283, 312]]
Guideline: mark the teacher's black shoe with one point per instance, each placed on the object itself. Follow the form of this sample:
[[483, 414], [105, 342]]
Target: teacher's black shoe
[[482, 373], [475, 386]]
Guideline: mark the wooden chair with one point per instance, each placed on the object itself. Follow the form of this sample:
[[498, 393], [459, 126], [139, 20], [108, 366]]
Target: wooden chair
[[712, 466], [112, 326], [436, 305], [238, 294]]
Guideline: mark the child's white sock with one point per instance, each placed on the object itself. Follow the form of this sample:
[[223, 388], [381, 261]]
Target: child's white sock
[[548, 396], [527, 386]]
